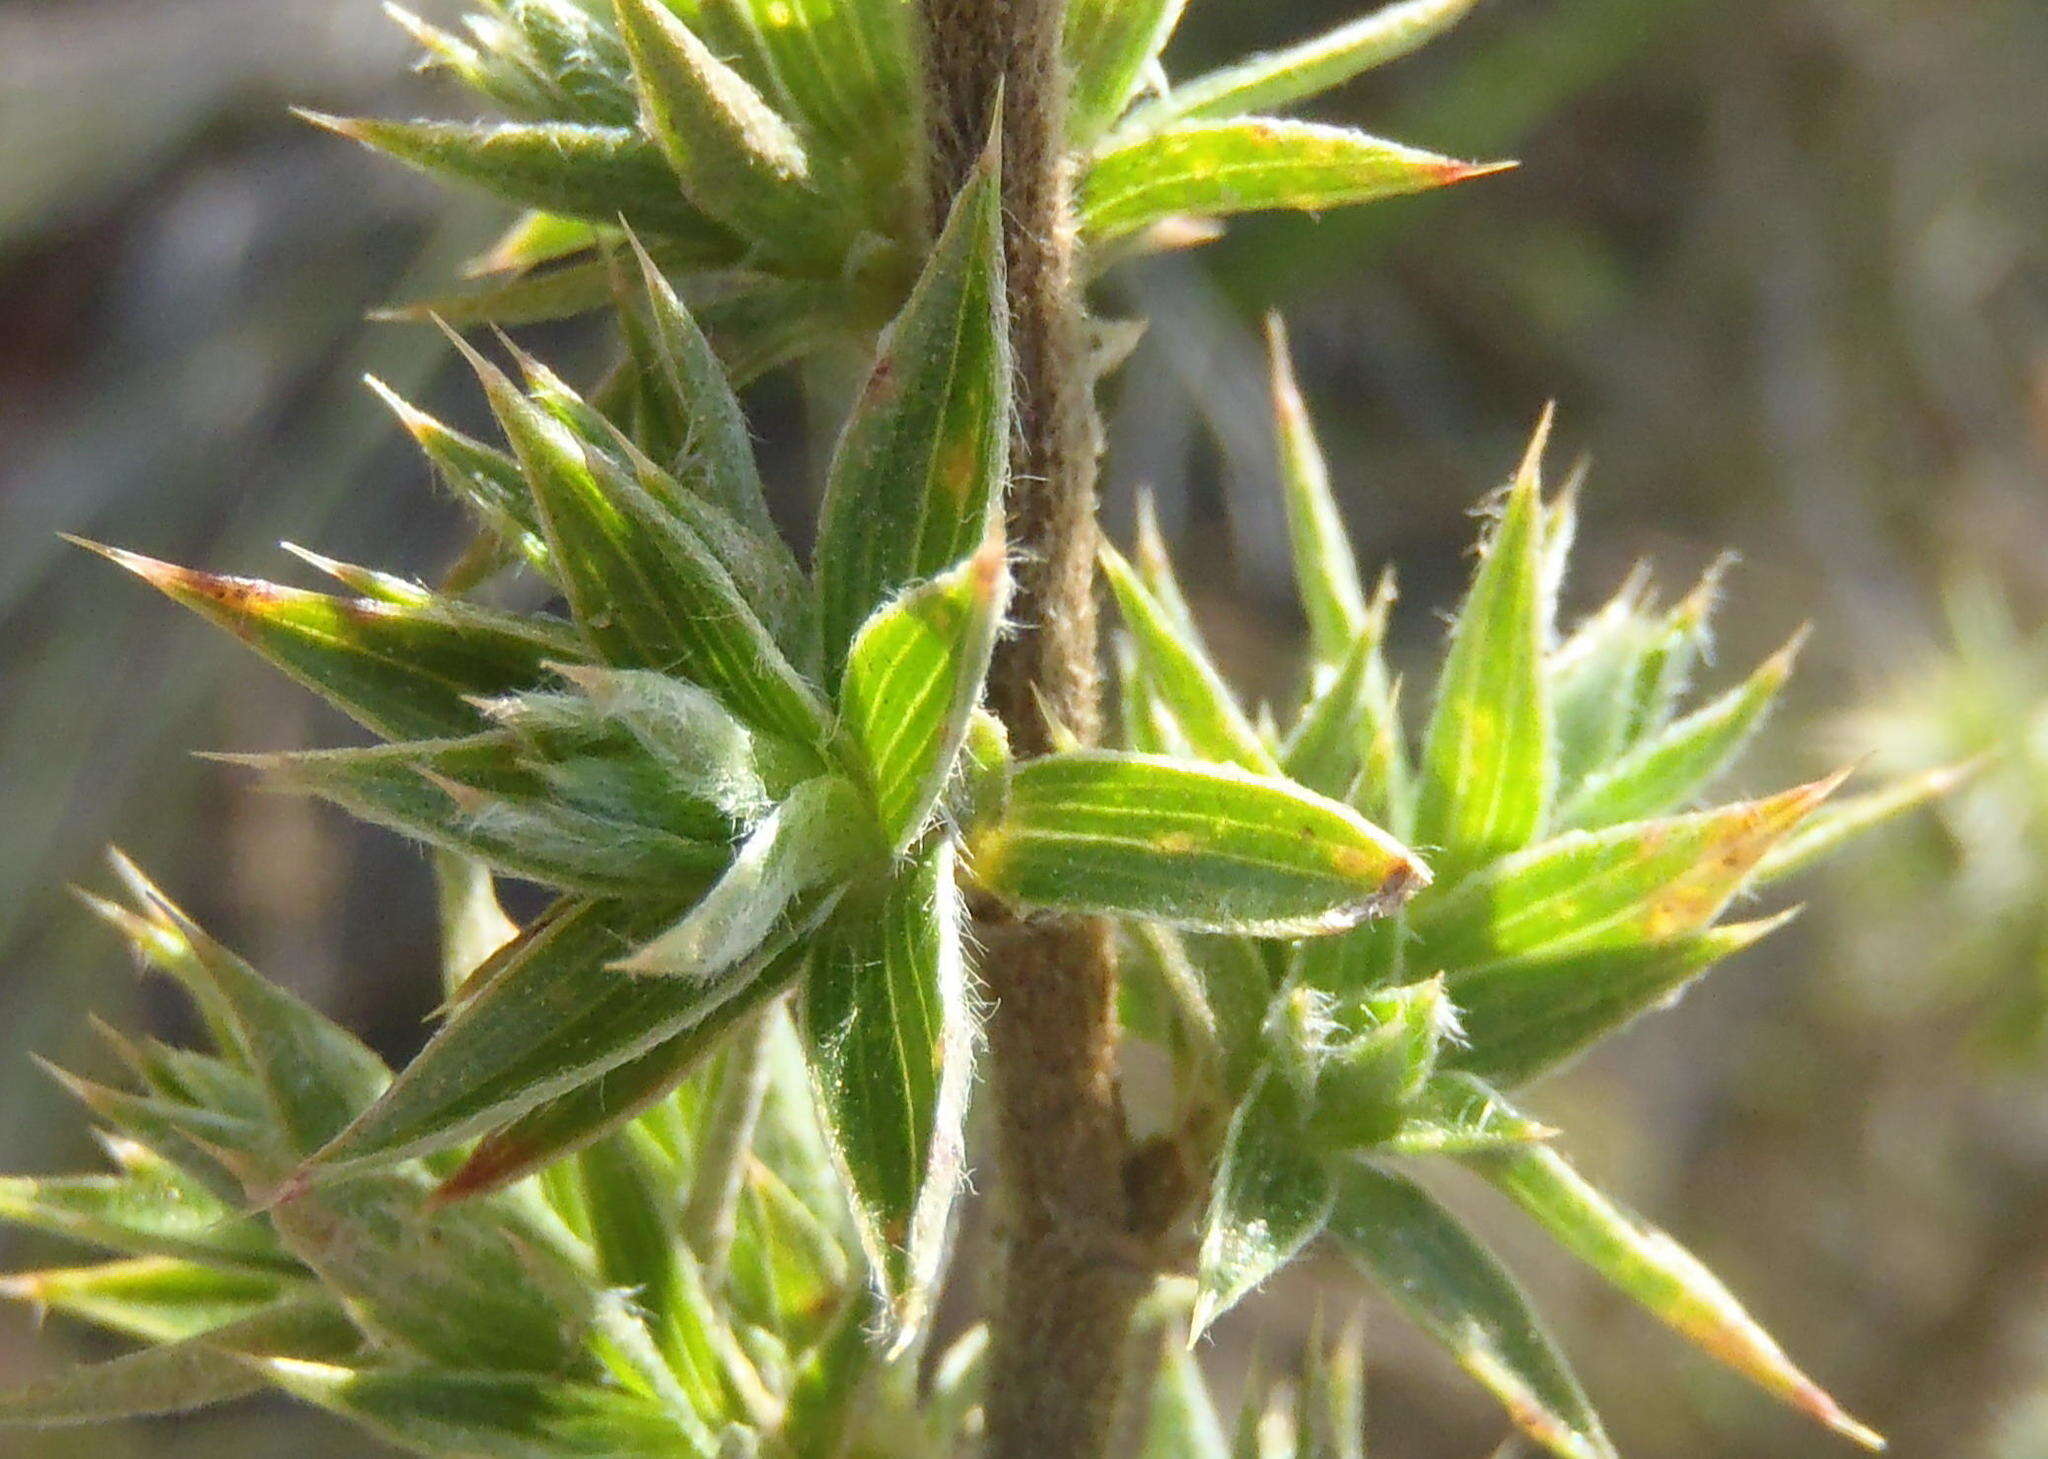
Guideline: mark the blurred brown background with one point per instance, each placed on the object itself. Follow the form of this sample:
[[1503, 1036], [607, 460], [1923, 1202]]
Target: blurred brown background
[[1783, 264]]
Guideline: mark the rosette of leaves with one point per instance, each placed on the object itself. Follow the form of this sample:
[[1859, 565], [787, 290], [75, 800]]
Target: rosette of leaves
[[745, 781], [1558, 790], [772, 153]]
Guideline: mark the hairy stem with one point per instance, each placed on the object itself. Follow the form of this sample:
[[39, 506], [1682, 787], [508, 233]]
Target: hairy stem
[[1072, 1264]]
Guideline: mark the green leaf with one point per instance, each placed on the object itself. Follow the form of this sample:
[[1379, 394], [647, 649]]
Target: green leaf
[[789, 1267], [1486, 771], [315, 1075], [1675, 647], [646, 589], [480, 1293], [534, 238], [365, 582], [1274, 79], [825, 1392], [1332, 1406], [152, 1209], [704, 756], [568, 1122], [594, 173], [582, 61], [845, 68], [486, 481], [182, 1375], [201, 1142], [1669, 1281], [1831, 827], [1325, 566], [1525, 1016], [1155, 566], [1382, 1054], [913, 678], [155, 1299], [1620, 674], [1273, 1195], [1218, 990], [1622, 887], [1459, 1114], [407, 788], [737, 160], [1350, 707], [1213, 168], [1385, 787], [1454, 1290], [628, 1191], [1203, 846], [1179, 672], [550, 1014], [1267, 1426], [1181, 1421], [718, 456], [1667, 769], [1110, 45], [920, 465], [450, 53], [472, 920], [434, 1412], [406, 673], [889, 1021], [811, 840]]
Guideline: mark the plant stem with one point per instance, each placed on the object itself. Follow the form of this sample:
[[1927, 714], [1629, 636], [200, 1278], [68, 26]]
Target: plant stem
[[711, 1207], [1072, 1266]]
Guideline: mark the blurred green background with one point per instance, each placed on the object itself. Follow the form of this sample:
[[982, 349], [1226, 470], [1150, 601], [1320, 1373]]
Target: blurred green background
[[1784, 266]]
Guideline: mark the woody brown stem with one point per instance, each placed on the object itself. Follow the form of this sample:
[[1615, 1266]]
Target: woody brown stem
[[1073, 1266]]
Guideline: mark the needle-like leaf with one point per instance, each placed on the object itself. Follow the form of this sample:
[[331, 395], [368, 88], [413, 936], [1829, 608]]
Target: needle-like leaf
[[1110, 45], [1525, 1016], [1623, 887], [314, 1074], [1178, 670], [1487, 762], [921, 463], [1455, 1290], [889, 1023], [153, 1298], [588, 1112], [1667, 769], [814, 838], [407, 673], [595, 173], [1669, 1281], [493, 1415], [646, 588], [1325, 567], [191, 1373], [913, 679], [718, 456], [1204, 846], [1260, 163], [1273, 1195], [549, 1015], [738, 161], [1294, 73]]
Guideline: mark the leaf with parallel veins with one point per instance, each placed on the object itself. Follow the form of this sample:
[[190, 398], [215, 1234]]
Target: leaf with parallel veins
[[1212, 168], [921, 463], [889, 1021], [1209, 847]]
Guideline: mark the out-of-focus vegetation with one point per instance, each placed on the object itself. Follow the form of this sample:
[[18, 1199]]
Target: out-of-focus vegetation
[[1784, 261]]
